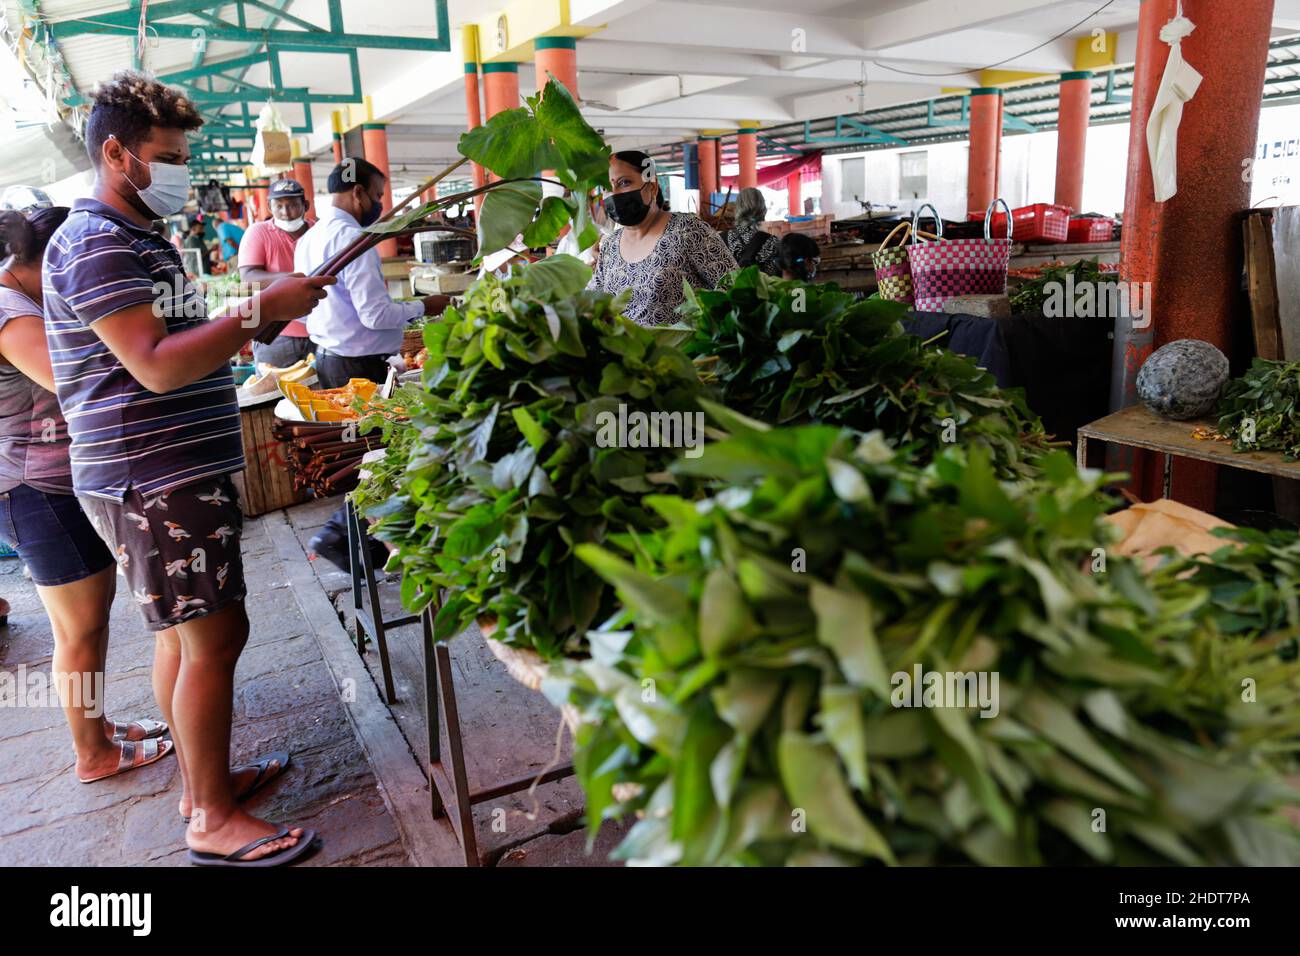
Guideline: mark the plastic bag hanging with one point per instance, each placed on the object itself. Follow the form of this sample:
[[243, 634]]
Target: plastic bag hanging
[[272, 152], [1178, 85]]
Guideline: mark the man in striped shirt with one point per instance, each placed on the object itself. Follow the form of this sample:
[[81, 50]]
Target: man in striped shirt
[[144, 382]]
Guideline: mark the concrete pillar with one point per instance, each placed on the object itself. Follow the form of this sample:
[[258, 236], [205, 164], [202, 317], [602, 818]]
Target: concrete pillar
[[261, 206], [374, 139], [983, 169], [302, 174], [747, 156], [500, 89], [557, 56], [1072, 138], [708, 172], [337, 143], [1189, 248], [473, 102]]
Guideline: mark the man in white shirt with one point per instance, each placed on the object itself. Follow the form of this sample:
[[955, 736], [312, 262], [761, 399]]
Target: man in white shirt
[[357, 327]]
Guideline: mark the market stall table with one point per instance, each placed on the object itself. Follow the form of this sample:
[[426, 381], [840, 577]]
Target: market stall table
[[1138, 427]]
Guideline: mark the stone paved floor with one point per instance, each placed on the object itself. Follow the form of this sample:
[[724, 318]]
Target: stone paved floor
[[285, 700], [357, 773]]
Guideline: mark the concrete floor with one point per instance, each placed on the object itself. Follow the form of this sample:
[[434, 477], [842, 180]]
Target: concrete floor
[[357, 773]]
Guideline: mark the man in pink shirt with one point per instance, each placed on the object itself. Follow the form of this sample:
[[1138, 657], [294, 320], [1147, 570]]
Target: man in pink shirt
[[266, 254]]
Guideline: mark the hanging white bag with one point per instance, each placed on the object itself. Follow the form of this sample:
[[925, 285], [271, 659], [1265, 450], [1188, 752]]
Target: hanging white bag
[[1178, 85]]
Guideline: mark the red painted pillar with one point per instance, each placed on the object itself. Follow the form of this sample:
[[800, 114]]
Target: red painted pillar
[[708, 172], [302, 174], [794, 187], [263, 207], [500, 89], [1072, 138], [374, 140], [1189, 248], [558, 57], [747, 157], [985, 162], [337, 143]]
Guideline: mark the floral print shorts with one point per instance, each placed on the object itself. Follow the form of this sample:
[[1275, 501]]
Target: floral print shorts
[[178, 550]]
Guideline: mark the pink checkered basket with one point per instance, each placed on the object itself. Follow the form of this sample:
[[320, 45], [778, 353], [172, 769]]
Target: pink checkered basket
[[952, 267]]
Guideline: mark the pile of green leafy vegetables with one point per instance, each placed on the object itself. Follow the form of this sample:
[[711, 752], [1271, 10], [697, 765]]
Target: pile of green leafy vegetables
[[1260, 410], [1085, 277], [789, 352], [500, 469], [751, 704]]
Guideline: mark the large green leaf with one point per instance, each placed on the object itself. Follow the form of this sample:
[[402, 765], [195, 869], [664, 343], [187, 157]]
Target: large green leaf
[[814, 784], [507, 211]]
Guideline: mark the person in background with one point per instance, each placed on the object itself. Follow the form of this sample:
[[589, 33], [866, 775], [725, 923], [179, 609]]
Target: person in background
[[800, 256], [746, 240], [654, 250], [266, 254], [358, 326], [71, 567], [143, 378], [194, 240], [230, 235]]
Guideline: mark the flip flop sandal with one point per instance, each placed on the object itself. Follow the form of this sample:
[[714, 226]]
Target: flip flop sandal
[[306, 842], [265, 773], [151, 728], [152, 750]]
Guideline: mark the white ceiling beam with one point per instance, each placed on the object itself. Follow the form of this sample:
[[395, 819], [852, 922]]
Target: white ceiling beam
[[973, 49], [769, 32], [844, 101], [932, 18]]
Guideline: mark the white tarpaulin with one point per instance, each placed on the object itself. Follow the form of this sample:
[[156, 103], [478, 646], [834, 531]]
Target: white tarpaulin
[[1178, 85], [40, 155]]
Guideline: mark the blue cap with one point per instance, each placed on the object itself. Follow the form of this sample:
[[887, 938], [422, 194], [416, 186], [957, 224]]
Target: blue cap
[[286, 189]]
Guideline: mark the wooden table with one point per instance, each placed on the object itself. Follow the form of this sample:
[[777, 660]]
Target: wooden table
[[264, 484], [1138, 427]]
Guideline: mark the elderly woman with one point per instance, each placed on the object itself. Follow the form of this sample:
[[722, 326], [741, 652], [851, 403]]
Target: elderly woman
[[748, 243], [653, 251]]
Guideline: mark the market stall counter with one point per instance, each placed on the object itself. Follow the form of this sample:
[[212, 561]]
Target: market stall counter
[[1063, 364]]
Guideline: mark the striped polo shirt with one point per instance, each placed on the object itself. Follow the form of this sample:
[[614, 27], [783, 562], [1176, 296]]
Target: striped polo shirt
[[124, 436]]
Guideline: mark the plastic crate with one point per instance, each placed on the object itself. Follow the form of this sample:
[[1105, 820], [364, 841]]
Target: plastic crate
[[1091, 229], [1041, 222]]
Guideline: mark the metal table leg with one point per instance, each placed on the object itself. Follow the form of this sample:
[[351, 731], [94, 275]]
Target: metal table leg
[[363, 571]]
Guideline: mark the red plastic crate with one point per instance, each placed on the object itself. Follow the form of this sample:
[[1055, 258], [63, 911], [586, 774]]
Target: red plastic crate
[[1041, 222], [1085, 229]]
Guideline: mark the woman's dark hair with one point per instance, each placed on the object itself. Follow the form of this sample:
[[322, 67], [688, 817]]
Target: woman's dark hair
[[643, 162], [796, 250], [130, 105], [25, 237]]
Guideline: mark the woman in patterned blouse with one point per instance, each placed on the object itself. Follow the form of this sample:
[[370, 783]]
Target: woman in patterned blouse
[[746, 240], [653, 250]]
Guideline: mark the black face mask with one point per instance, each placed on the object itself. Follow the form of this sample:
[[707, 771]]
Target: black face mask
[[626, 209], [371, 215]]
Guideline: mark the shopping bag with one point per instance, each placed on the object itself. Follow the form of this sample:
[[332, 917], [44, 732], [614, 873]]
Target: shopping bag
[[893, 263], [952, 267]]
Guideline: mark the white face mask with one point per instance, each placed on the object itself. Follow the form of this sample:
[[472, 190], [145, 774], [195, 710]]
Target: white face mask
[[290, 225], [168, 189]]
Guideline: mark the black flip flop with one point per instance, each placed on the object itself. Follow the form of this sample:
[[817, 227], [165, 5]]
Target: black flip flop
[[264, 774], [306, 843]]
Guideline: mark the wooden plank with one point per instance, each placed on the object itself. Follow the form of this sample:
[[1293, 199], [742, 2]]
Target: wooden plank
[[1286, 258], [1140, 428], [1261, 284]]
